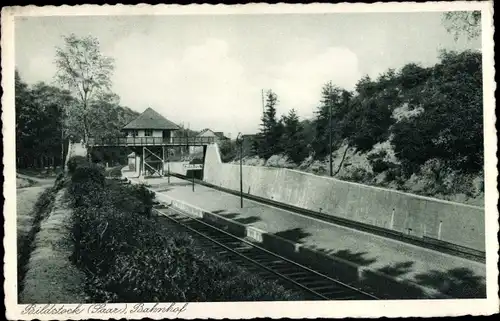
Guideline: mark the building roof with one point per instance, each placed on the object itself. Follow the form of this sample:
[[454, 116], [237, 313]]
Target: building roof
[[219, 135], [150, 119], [204, 131]]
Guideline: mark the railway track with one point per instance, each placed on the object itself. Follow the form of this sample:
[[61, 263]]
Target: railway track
[[266, 264], [426, 242]]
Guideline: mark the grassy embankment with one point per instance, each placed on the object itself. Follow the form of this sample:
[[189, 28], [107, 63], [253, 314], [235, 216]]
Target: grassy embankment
[[129, 256], [44, 272]]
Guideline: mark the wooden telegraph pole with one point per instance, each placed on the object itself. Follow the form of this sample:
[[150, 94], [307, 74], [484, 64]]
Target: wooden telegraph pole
[[330, 138], [239, 139]]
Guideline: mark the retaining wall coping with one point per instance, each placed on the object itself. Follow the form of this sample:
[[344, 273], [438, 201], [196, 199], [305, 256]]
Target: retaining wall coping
[[427, 198]]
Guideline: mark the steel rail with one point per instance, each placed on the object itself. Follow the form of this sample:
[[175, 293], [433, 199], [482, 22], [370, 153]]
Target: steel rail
[[426, 242], [320, 276]]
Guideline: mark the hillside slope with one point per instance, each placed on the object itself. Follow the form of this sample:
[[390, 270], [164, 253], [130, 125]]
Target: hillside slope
[[433, 181]]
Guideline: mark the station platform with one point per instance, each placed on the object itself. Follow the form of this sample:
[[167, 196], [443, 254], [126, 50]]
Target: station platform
[[430, 271]]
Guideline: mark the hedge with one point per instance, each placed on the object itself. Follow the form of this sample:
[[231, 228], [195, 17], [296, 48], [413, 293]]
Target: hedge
[[74, 162], [114, 172], [129, 257]]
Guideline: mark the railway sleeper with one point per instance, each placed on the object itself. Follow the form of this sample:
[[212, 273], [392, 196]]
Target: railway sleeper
[[319, 283]]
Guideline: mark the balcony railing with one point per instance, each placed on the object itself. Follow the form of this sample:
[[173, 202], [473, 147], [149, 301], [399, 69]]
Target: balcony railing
[[151, 141]]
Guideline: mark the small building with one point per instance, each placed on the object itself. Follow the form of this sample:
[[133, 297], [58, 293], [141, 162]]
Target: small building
[[151, 137], [218, 137], [151, 124]]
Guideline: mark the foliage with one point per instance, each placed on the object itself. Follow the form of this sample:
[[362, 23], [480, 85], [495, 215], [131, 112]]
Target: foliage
[[74, 162], [268, 140], [128, 256], [229, 150], [451, 127], [326, 122], [423, 113], [114, 172], [82, 69], [60, 181], [463, 22], [40, 129], [293, 140], [379, 163], [145, 197]]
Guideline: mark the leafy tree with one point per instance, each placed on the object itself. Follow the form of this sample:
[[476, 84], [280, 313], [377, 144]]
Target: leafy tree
[[325, 120], [332, 121], [463, 22], [52, 103], [268, 140], [451, 127], [294, 143], [39, 121], [370, 115], [108, 119], [83, 70]]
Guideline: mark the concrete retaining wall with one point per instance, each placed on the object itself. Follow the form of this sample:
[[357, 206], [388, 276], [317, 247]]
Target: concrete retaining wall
[[412, 214]]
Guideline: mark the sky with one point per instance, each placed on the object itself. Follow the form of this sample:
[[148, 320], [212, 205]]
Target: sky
[[208, 71]]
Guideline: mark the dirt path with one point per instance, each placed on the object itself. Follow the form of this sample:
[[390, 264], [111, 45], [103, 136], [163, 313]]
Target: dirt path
[[39, 181]]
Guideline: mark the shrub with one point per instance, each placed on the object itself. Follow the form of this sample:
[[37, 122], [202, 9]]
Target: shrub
[[60, 181], [145, 197], [358, 174], [114, 172], [87, 183], [76, 161], [88, 173]]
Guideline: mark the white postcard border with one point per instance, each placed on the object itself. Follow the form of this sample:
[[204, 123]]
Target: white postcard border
[[335, 309]]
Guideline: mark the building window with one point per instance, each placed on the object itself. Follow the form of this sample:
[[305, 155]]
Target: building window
[[134, 133], [148, 132]]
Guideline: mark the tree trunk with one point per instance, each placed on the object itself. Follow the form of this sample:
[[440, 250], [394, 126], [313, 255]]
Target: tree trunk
[[86, 135], [342, 161], [62, 147]]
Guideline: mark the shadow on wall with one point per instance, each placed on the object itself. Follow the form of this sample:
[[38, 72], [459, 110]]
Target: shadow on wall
[[406, 213], [454, 283], [233, 216], [295, 235], [355, 257], [458, 282], [397, 269], [248, 220]]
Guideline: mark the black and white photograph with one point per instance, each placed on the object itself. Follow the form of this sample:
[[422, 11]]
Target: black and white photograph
[[271, 160]]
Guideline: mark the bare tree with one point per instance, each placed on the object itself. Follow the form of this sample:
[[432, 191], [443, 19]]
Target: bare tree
[[85, 72], [463, 22]]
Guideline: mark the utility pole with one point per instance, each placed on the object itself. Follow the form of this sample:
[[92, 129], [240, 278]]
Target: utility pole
[[330, 138], [262, 97], [240, 140]]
